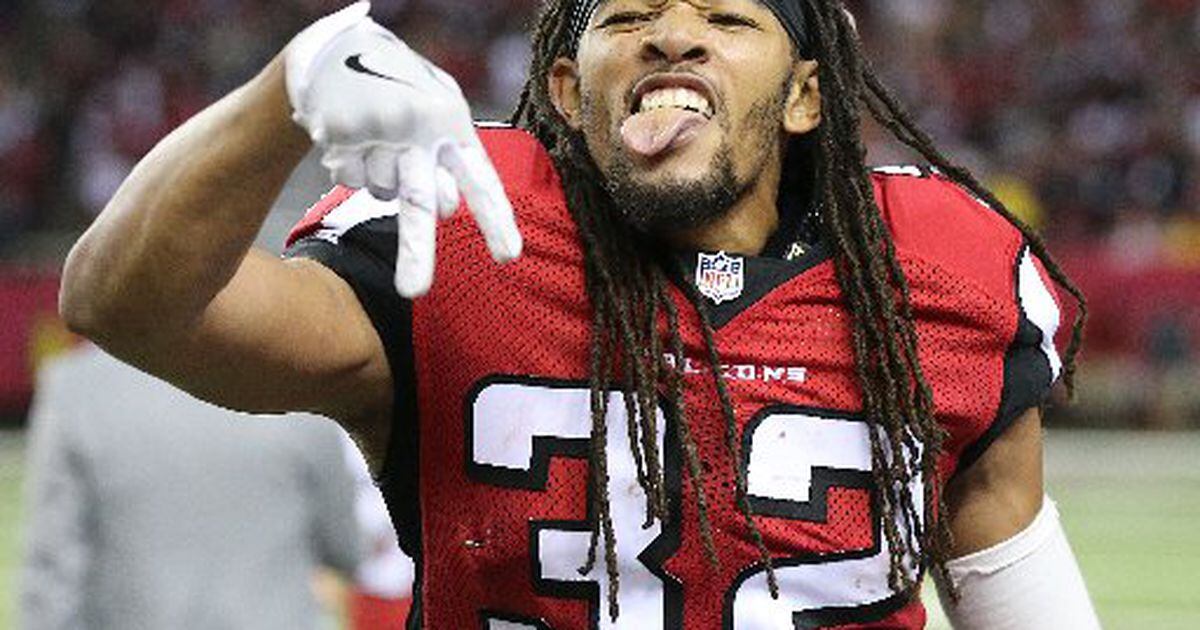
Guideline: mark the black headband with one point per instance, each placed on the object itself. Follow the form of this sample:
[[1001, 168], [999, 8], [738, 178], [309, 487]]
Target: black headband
[[790, 14]]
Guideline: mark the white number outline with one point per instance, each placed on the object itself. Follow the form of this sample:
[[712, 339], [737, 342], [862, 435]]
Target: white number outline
[[653, 556], [871, 562], [534, 476]]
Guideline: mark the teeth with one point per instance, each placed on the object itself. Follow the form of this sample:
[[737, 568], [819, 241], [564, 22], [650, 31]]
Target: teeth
[[680, 98]]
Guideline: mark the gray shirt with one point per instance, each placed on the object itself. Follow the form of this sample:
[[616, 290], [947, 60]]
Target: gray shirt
[[151, 509]]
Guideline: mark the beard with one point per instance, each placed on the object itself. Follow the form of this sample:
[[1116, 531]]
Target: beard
[[675, 204]]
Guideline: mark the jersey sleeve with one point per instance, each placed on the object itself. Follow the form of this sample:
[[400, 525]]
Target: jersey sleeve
[[1032, 364], [939, 223], [354, 235]]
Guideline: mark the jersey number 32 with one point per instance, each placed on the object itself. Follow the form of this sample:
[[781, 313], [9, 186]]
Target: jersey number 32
[[793, 458]]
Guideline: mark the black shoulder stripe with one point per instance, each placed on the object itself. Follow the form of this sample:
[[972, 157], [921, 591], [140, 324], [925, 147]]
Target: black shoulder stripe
[[365, 259], [1028, 376]]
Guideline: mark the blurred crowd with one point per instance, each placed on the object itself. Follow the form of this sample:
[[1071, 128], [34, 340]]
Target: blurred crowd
[[1083, 114], [87, 87]]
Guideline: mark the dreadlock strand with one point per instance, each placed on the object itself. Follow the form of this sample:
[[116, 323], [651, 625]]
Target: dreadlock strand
[[648, 397], [598, 404], [934, 534], [860, 336], [872, 293], [683, 433], [633, 426], [636, 370], [731, 439], [633, 431], [602, 504]]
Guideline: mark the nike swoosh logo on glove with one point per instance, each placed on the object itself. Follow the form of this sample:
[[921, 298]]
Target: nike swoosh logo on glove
[[354, 62]]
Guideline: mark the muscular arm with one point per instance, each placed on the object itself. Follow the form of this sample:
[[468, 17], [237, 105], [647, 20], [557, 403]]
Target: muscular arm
[[1012, 567], [166, 278], [999, 495]]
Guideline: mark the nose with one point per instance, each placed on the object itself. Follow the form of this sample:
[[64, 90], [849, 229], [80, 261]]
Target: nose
[[675, 38]]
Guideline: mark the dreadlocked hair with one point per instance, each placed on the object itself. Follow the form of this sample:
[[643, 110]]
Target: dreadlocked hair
[[633, 351]]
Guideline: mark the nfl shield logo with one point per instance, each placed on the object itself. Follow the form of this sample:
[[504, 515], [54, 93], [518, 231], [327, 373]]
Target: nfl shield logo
[[720, 277]]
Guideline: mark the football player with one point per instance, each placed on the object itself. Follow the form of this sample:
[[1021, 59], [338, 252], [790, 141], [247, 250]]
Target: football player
[[735, 380]]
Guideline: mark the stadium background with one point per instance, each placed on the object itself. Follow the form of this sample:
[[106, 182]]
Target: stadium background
[[1084, 115]]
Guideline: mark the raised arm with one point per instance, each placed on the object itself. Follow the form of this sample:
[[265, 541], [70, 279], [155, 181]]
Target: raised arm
[[167, 280]]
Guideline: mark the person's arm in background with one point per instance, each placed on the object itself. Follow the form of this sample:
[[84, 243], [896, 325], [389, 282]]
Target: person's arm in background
[[1012, 567], [55, 557], [336, 535]]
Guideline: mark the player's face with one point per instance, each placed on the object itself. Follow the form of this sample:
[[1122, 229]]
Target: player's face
[[685, 104]]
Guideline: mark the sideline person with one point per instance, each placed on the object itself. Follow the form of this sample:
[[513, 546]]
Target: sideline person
[[151, 509]]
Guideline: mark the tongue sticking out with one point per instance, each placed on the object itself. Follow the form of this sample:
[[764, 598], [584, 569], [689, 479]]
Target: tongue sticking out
[[649, 134]]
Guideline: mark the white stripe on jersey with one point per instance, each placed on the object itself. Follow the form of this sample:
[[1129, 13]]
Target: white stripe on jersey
[[1040, 308], [354, 211], [900, 171]]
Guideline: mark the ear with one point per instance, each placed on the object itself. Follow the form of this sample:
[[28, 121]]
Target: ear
[[802, 111], [564, 90]]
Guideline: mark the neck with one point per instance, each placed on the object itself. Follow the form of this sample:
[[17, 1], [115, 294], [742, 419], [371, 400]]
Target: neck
[[744, 229]]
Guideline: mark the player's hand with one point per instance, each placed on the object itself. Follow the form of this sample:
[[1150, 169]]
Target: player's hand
[[386, 119]]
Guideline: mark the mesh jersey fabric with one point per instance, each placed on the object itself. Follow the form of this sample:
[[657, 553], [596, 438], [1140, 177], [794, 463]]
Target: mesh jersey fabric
[[487, 475]]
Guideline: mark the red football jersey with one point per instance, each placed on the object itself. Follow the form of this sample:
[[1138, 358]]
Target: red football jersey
[[487, 473]]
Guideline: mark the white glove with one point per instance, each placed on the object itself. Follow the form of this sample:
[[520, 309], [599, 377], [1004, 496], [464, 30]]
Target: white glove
[[386, 119]]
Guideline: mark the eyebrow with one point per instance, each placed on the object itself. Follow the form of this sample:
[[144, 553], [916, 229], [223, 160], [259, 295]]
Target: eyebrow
[[586, 10]]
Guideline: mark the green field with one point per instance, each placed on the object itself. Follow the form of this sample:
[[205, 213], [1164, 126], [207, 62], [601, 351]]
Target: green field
[[1131, 505], [11, 462], [1130, 502]]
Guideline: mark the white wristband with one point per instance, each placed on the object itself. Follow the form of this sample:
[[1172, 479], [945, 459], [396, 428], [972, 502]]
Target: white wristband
[[1028, 582]]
